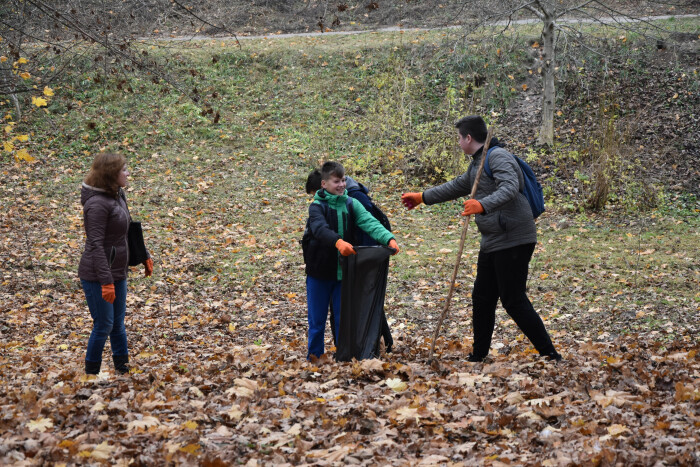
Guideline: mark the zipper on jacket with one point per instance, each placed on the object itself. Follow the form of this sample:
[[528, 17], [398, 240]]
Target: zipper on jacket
[[112, 255]]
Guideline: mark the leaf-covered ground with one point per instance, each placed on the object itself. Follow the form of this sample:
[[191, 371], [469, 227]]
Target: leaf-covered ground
[[218, 336], [220, 369]]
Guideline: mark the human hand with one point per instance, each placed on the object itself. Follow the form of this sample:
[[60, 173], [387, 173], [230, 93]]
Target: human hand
[[344, 247], [472, 206], [411, 200], [148, 265], [394, 245], [108, 293]]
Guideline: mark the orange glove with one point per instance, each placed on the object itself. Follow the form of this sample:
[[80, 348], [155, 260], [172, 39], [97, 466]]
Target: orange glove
[[108, 293], [344, 247], [411, 200], [394, 245], [472, 206], [148, 272]]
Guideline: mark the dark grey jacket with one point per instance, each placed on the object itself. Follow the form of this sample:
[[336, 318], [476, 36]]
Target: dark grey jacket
[[507, 219], [106, 254]]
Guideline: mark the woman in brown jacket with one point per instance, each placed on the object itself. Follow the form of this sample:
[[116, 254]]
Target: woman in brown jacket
[[103, 266]]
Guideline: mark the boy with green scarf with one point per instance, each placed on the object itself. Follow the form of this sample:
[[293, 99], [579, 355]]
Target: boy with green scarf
[[332, 220]]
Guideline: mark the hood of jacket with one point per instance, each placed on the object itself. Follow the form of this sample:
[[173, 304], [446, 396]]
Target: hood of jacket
[[352, 185], [87, 192]]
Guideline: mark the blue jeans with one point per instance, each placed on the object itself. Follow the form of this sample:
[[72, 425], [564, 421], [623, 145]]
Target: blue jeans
[[107, 320], [319, 294]]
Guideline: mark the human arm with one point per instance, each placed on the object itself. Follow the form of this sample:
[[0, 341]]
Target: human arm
[[345, 248], [411, 200], [472, 206], [108, 293], [394, 245], [371, 226], [455, 188], [319, 227], [148, 263], [506, 176]]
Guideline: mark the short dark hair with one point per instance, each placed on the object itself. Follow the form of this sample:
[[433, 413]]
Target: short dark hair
[[472, 125], [328, 169], [313, 181]]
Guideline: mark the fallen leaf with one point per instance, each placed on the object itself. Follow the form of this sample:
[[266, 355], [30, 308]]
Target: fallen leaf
[[396, 384], [145, 423], [40, 424]]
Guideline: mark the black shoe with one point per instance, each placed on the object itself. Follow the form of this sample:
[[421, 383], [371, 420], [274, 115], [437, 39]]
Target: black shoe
[[474, 359], [121, 363], [92, 368], [553, 356]]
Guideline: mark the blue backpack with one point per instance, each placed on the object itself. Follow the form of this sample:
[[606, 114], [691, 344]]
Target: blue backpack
[[531, 188]]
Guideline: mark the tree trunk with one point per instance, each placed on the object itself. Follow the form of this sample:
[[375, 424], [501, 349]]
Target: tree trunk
[[546, 135]]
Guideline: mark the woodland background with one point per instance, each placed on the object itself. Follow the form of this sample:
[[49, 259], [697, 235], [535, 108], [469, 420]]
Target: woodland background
[[220, 134]]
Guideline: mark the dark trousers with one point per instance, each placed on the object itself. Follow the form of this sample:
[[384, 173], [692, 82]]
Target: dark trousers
[[503, 274]]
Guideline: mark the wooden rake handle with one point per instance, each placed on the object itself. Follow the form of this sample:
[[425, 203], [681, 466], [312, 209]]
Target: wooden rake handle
[[448, 300]]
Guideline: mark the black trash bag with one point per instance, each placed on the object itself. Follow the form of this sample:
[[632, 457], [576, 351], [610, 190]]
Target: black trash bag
[[362, 319]]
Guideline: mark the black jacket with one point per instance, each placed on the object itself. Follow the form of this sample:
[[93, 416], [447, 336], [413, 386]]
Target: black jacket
[[332, 217], [320, 237]]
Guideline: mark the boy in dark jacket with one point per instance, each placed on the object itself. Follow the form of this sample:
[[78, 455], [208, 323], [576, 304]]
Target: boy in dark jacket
[[355, 190], [333, 217], [508, 238], [361, 193]]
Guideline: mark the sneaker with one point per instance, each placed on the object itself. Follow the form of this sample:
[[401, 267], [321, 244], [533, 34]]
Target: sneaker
[[474, 359]]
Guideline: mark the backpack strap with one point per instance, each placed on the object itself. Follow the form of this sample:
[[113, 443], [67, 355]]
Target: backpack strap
[[487, 168]]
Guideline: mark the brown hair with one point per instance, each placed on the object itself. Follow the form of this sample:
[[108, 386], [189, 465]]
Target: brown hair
[[329, 169], [104, 172]]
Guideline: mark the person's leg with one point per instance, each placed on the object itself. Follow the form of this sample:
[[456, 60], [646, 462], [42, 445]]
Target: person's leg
[[331, 319], [117, 338], [318, 296], [386, 334], [102, 313], [512, 269], [386, 331], [336, 295], [484, 300]]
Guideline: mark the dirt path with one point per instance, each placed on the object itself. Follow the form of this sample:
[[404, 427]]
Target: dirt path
[[611, 20]]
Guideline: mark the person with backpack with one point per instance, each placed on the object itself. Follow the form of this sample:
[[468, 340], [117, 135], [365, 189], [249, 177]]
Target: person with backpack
[[359, 192], [505, 219], [333, 216]]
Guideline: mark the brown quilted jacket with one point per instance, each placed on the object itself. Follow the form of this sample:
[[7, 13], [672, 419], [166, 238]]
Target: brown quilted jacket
[[106, 254]]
